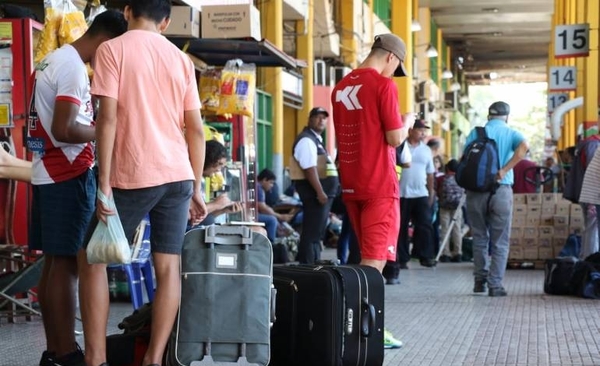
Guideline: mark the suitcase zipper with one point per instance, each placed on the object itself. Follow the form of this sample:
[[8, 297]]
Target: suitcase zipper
[[185, 274]]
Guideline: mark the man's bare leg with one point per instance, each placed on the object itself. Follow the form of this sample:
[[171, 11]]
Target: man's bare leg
[[374, 263], [42, 299], [94, 307], [60, 303], [166, 304]]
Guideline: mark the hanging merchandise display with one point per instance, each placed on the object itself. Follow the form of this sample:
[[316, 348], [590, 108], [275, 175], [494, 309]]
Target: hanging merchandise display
[[64, 23], [210, 87], [238, 88]]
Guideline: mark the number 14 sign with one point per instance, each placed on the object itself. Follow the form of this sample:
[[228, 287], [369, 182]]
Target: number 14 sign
[[572, 40], [562, 78]]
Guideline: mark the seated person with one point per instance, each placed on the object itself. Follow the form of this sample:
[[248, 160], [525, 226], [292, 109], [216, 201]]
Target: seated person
[[215, 159], [266, 214]]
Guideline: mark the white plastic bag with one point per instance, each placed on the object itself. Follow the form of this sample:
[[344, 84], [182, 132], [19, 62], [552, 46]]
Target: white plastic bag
[[405, 155], [108, 243]]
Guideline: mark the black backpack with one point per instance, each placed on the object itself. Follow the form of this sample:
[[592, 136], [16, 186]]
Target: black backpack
[[479, 165]]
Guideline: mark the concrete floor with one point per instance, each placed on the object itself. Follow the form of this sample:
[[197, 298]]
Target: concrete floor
[[440, 321]]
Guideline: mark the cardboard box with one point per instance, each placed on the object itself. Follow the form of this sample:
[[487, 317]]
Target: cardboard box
[[561, 220], [576, 209], [576, 221], [548, 199], [545, 252], [547, 220], [530, 253], [529, 242], [576, 230], [558, 242], [185, 22], [534, 210], [516, 252], [530, 232], [534, 199], [533, 220], [516, 232], [231, 21], [563, 209], [548, 209], [545, 242], [561, 232], [546, 231], [519, 221], [520, 210], [519, 199]]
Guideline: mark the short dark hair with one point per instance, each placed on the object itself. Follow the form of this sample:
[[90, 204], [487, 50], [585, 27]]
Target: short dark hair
[[156, 10], [111, 23], [215, 151], [266, 174], [452, 165]]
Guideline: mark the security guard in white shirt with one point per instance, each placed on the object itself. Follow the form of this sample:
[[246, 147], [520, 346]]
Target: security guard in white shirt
[[316, 180]]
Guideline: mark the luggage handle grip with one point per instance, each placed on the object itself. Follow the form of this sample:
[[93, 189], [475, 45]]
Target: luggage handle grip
[[228, 235], [367, 325], [209, 361]]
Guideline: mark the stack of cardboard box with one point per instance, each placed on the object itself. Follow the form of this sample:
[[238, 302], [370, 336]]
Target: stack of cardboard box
[[541, 224]]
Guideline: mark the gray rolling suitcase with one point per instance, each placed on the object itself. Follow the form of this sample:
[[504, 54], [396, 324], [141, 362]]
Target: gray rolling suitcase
[[226, 306]]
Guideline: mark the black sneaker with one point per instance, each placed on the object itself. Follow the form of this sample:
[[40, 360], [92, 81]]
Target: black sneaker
[[445, 259], [47, 359], [456, 258], [392, 281], [75, 358], [480, 286], [497, 291]]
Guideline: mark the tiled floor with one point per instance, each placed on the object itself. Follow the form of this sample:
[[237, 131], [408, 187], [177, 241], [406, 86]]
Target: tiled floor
[[441, 323]]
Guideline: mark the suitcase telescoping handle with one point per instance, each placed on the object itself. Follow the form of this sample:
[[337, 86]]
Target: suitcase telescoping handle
[[367, 325], [227, 235]]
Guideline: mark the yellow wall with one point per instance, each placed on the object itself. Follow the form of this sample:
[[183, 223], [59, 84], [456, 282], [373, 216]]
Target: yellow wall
[[290, 122]]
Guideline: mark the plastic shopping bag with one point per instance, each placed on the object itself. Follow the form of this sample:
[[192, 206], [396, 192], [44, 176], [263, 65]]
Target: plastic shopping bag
[[238, 88], [48, 41], [108, 243]]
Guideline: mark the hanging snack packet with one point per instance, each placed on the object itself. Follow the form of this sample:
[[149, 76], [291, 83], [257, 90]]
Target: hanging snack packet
[[72, 24], [210, 85], [48, 41], [238, 88]]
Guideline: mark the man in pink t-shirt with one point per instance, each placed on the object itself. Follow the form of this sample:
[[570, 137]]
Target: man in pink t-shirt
[[150, 148]]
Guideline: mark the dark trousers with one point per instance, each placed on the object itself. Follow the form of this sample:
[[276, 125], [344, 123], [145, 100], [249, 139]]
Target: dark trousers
[[419, 212], [315, 216]]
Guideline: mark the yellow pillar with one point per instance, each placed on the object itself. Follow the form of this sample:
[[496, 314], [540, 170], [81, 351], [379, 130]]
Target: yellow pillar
[[437, 127], [349, 44], [305, 48], [272, 26], [591, 70], [552, 62], [400, 23]]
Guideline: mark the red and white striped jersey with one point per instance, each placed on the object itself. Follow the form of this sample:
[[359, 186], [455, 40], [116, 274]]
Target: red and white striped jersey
[[62, 75]]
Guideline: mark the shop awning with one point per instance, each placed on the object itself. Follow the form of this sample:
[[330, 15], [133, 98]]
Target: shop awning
[[216, 52]]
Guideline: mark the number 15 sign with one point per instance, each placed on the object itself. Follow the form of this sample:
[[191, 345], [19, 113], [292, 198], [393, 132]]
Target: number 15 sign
[[572, 40]]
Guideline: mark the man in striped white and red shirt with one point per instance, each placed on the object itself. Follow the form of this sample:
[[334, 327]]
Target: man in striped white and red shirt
[[61, 129]]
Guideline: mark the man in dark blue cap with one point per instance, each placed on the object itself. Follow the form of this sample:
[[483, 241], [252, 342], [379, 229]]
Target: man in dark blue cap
[[316, 180], [490, 214]]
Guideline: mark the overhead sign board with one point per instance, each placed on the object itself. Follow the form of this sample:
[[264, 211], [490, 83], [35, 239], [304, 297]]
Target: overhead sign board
[[562, 78], [556, 99], [572, 40]]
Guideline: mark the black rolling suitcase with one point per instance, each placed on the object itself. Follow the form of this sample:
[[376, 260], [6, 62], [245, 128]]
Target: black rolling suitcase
[[328, 316], [226, 307]]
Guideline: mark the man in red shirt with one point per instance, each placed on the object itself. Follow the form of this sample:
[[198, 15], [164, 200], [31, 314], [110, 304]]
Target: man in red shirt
[[368, 128], [525, 169]]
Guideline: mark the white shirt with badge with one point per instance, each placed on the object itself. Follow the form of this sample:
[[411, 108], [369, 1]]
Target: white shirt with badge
[[306, 152]]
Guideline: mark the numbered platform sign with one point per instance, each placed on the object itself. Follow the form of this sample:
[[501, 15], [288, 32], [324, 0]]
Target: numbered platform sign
[[572, 40], [562, 78], [556, 99]]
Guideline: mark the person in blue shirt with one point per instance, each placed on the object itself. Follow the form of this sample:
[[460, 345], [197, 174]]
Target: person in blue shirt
[[266, 214], [490, 214]]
